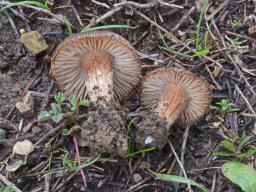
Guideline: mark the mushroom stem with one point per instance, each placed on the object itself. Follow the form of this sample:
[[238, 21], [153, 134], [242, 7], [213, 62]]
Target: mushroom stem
[[172, 103], [98, 66]]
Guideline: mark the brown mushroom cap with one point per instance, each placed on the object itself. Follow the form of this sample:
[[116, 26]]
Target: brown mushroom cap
[[176, 95], [98, 64]]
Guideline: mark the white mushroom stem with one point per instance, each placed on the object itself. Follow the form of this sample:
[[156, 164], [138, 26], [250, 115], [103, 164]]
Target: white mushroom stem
[[172, 103], [99, 82]]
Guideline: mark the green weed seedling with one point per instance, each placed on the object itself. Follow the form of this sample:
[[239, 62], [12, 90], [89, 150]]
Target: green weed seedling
[[8, 188], [238, 147], [240, 174], [68, 164], [167, 48], [56, 112], [236, 24], [200, 50], [224, 107]]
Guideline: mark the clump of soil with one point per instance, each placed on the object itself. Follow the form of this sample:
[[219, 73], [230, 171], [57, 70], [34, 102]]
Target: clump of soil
[[105, 131], [150, 131]]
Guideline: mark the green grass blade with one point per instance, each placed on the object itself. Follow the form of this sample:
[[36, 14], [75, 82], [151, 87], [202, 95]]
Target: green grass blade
[[199, 24], [178, 179], [87, 164], [24, 3], [139, 152], [86, 29]]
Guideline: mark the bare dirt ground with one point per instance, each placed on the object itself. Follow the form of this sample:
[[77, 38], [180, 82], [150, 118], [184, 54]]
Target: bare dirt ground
[[164, 35]]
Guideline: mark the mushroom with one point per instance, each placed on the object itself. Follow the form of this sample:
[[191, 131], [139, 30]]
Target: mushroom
[[104, 67], [98, 64], [175, 96]]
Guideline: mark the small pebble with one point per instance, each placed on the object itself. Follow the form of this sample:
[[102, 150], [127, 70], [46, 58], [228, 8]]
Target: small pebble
[[137, 177], [34, 42]]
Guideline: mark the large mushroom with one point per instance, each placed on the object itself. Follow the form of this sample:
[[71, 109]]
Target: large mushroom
[[104, 67], [175, 96]]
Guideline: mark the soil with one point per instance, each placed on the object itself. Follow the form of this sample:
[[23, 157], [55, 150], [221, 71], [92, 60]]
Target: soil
[[229, 68], [105, 131], [150, 131]]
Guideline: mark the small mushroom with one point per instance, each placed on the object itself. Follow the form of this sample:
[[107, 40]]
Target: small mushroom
[[104, 67], [175, 96], [100, 64]]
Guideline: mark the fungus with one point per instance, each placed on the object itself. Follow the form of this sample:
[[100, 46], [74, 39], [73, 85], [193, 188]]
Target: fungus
[[100, 64], [104, 67], [175, 96]]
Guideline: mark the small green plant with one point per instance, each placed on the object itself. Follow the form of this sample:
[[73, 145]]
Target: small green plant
[[236, 24], [67, 132], [239, 147], [8, 188], [56, 112], [241, 175], [200, 50], [72, 165], [167, 48], [178, 179], [237, 42], [224, 107], [199, 24]]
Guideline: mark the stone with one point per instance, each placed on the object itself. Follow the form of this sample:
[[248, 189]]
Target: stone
[[137, 177], [23, 147], [26, 106], [34, 42]]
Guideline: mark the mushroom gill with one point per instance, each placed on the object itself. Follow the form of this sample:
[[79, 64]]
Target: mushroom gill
[[174, 96], [97, 64], [104, 67]]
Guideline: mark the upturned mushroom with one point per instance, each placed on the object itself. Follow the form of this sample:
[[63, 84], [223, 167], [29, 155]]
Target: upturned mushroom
[[104, 67], [175, 96]]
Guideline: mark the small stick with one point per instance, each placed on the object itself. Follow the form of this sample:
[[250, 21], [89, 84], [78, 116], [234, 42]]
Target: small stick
[[22, 95], [7, 182], [76, 13], [183, 146], [13, 26], [169, 4], [245, 99], [48, 93], [214, 182], [101, 4], [180, 164], [64, 182], [52, 132], [183, 18], [241, 36], [103, 17], [137, 5], [146, 5], [217, 10], [79, 160]]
